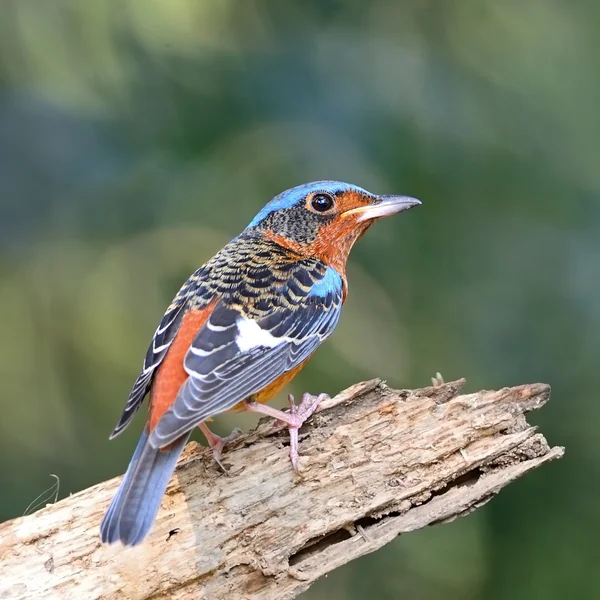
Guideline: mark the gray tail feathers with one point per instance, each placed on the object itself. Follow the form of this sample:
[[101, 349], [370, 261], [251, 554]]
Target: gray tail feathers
[[130, 515]]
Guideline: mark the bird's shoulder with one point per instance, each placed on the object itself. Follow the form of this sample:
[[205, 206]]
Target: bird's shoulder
[[258, 275]]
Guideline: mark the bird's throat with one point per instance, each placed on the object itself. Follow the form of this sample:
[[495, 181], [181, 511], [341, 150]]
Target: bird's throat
[[331, 246]]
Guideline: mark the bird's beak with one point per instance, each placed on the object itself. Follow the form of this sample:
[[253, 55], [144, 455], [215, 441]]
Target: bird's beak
[[388, 205]]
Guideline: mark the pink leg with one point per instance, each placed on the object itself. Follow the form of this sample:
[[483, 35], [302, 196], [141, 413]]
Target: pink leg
[[294, 419], [217, 443]]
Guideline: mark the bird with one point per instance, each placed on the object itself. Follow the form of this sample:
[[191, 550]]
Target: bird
[[240, 328]]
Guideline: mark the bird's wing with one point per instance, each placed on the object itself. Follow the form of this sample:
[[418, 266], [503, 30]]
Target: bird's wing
[[236, 354], [161, 341]]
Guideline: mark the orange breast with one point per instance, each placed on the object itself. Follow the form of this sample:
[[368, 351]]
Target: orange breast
[[171, 374]]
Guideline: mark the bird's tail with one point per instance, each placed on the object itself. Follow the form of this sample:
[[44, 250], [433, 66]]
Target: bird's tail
[[133, 509]]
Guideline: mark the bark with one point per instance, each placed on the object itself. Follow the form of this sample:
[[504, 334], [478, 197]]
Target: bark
[[375, 463]]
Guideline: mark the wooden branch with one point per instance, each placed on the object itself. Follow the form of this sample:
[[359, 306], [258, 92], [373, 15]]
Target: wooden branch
[[376, 463]]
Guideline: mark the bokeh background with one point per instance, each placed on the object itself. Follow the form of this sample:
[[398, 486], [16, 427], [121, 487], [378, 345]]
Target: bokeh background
[[138, 136]]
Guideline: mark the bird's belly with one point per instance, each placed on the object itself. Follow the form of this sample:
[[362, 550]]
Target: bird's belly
[[274, 387]]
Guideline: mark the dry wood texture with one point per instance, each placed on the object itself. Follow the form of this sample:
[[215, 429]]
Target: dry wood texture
[[376, 462]]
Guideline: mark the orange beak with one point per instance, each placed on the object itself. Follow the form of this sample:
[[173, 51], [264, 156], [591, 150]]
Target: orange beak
[[387, 206]]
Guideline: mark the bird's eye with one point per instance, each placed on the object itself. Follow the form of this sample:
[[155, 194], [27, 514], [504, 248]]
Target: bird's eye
[[321, 202]]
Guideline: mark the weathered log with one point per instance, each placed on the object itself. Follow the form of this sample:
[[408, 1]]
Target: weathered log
[[375, 463]]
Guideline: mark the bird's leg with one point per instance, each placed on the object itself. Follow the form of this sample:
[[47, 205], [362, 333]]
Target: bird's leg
[[294, 419], [217, 443]]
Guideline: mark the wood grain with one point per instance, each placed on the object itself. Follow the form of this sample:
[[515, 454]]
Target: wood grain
[[376, 462]]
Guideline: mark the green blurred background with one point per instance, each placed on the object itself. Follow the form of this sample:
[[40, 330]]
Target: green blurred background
[[138, 136]]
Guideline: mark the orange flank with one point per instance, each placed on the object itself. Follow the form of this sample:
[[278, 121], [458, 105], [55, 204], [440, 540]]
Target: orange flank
[[171, 374], [275, 386]]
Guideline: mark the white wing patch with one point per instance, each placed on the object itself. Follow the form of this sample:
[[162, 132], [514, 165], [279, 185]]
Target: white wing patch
[[250, 335]]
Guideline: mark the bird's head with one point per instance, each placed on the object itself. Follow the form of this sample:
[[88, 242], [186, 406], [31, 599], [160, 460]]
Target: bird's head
[[323, 219]]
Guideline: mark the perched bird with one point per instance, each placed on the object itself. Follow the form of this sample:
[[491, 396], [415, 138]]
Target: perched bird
[[240, 328]]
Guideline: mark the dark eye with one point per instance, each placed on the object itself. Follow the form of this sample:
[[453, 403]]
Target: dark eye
[[321, 202]]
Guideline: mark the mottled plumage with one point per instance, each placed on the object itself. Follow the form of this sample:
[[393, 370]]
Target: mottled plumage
[[238, 330], [251, 276]]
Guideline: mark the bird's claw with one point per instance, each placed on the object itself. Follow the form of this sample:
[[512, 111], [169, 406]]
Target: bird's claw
[[307, 407], [217, 449], [218, 443], [299, 413], [294, 419]]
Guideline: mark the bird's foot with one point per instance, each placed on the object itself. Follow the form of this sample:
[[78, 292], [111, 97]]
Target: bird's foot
[[218, 443], [294, 419], [308, 405]]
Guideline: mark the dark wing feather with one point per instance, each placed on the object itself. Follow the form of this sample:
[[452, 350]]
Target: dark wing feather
[[222, 373], [161, 340]]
